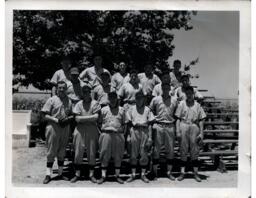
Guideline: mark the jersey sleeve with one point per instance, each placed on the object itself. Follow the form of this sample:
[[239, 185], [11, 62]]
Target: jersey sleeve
[[113, 83], [152, 105], [54, 79], [151, 116], [83, 75], [77, 109], [121, 91], [179, 110], [154, 92], [47, 108], [201, 114], [128, 117], [158, 81], [96, 108]]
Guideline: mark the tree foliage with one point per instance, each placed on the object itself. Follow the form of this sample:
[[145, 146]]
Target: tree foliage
[[40, 38]]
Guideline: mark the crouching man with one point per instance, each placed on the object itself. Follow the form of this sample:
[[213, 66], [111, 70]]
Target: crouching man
[[189, 129], [111, 141], [58, 113]]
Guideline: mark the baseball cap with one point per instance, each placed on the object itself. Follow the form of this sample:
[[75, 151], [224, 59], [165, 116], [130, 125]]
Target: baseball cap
[[74, 70]]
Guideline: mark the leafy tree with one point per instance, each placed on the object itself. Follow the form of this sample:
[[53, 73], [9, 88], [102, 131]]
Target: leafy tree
[[41, 38]]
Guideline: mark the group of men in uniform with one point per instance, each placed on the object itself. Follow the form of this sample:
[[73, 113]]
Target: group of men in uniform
[[129, 111]]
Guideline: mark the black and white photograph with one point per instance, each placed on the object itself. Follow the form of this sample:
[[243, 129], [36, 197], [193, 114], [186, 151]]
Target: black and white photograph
[[125, 98]]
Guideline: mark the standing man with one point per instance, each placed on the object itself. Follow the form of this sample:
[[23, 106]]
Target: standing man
[[93, 74], [176, 74], [74, 90], [58, 113], [165, 78], [164, 107], [112, 142], [189, 130], [180, 91], [100, 92], [120, 78], [139, 119], [128, 90], [86, 132], [148, 81], [61, 74]]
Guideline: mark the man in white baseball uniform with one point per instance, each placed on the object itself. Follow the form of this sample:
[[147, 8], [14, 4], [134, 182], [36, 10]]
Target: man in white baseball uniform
[[139, 119], [119, 78], [111, 141], [58, 114], [164, 107], [148, 81], [86, 133], [189, 130]]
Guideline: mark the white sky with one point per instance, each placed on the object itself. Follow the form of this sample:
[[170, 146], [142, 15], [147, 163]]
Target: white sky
[[215, 40]]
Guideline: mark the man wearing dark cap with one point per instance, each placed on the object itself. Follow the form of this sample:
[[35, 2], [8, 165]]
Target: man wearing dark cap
[[139, 119], [111, 141], [86, 133]]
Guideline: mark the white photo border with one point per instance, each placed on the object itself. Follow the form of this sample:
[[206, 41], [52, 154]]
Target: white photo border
[[244, 169]]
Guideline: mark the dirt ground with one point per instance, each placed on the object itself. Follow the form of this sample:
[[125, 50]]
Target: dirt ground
[[29, 170]]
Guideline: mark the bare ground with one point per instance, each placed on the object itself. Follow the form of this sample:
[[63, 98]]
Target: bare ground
[[29, 170]]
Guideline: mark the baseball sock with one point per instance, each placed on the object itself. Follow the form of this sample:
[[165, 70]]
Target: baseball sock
[[49, 168], [60, 167], [91, 171], [117, 172], [143, 170], [133, 172], [182, 169], [169, 166], [78, 171], [169, 169], [103, 172]]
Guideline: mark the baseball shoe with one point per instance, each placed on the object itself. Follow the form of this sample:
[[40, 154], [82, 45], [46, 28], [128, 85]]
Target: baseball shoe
[[101, 180], [130, 179], [197, 178], [144, 178], [181, 177], [171, 177], [61, 177], [74, 179], [93, 179], [47, 179], [119, 180]]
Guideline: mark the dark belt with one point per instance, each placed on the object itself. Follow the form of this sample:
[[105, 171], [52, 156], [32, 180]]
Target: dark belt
[[165, 124], [110, 132], [139, 127]]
